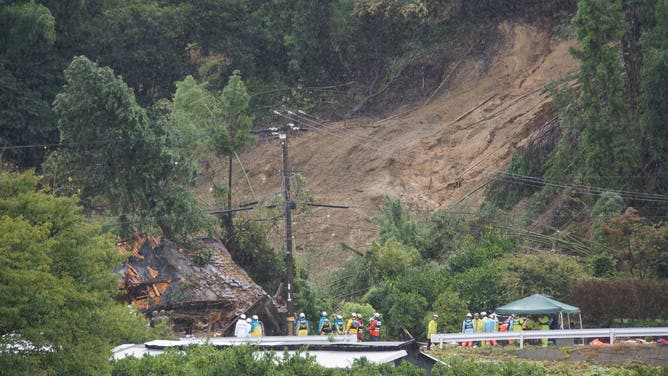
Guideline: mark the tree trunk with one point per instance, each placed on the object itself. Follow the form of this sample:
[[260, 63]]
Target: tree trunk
[[631, 52]]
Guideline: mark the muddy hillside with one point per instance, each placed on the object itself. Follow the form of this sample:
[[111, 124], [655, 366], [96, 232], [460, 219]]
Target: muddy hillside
[[433, 153]]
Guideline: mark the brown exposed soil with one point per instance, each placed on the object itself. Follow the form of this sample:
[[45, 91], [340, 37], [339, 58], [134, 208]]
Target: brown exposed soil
[[433, 154], [578, 359]]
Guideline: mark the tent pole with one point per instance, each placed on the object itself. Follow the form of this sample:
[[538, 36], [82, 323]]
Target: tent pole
[[561, 320], [580, 317]]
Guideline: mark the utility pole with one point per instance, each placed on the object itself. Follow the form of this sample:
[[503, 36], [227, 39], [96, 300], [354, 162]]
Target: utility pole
[[289, 205]]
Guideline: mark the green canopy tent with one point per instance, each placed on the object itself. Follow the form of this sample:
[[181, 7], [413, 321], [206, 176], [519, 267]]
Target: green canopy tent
[[541, 304]]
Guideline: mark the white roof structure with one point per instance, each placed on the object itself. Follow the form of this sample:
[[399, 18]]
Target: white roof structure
[[329, 352]]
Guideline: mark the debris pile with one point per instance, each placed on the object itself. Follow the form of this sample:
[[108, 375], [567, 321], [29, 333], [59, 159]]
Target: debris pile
[[200, 287]]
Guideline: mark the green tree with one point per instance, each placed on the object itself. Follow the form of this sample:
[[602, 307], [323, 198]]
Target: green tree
[[395, 222], [122, 163], [451, 309], [56, 285], [145, 42], [28, 78], [654, 82], [609, 140], [214, 123], [256, 256], [639, 244], [538, 273], [441, 235], [392, 258], [230, 135]]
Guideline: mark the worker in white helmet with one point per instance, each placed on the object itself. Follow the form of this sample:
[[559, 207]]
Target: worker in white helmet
[[323, 316], [302, 325]]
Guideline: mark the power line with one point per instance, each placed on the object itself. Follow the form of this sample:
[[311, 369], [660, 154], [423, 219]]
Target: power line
[[538, 182], [103, 141]]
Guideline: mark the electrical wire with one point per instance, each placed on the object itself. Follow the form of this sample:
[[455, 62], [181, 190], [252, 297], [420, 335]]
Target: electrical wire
[[538, 182]]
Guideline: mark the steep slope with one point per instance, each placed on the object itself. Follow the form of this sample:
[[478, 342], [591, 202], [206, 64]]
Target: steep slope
[[433, 156]]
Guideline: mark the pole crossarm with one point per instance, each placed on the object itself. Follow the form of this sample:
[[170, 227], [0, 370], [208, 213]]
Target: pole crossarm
[[521, 336]]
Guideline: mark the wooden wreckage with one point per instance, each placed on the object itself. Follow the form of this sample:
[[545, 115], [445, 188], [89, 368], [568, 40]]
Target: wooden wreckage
[[200, 288]]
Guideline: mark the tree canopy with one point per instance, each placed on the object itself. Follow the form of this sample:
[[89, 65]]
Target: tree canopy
[[57, 287]]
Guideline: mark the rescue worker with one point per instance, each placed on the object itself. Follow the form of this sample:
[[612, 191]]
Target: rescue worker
[[374, 327], [521, 323], [326, 327], [163, 318], [530, 324], [477, 325], [339, 327], [241, 328], [489, 326], [302, 325], [544, 324], [467, 327], [154, 319], [432, 327], [508, 326], [256, 327], [360, 327], [322, 320], [352, 324]]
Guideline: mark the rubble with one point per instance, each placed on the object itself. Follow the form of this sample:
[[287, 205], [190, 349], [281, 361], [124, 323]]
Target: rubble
[[200, 287]]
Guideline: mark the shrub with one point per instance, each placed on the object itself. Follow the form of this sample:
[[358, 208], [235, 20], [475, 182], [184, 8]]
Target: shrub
[[602, 301]]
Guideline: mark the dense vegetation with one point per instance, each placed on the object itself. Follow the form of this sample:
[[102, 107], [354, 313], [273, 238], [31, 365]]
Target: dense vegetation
[[206, 360], [121, 105]]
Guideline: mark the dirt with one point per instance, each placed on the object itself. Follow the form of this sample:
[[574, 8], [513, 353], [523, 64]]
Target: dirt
[[435, 153], [575, 357]]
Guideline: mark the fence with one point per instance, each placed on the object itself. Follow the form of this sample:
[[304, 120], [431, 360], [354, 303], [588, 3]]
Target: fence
[[522, 336]]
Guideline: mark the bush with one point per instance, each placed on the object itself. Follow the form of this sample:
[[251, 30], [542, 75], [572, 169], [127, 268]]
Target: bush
[[603, 301]]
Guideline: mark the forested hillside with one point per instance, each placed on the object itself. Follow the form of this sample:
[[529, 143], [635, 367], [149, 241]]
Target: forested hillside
[[485, 149]]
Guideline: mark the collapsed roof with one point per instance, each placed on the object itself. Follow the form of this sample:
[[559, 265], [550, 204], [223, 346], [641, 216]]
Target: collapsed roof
[[200, 285]]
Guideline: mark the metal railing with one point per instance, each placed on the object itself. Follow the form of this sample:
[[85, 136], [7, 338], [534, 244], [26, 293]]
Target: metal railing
[[522, 336]]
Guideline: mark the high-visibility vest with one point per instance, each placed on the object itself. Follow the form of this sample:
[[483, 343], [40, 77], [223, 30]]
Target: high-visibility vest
[[351, 326], [374, 330]]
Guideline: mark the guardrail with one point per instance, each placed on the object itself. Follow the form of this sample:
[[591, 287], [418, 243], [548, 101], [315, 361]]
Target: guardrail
[[521, 336]]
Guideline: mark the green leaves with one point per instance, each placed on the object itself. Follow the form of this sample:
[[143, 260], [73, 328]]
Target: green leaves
[[122, 162], [609, 134], [56, 285]]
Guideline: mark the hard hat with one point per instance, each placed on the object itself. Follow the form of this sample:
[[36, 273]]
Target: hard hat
[[302, 315], [468, 315], [324, 313], [162, 311], [376, 314], [249, 321], [243, 317], [476, 314], [435, 315], [326, 320], [339, 317], [255, 317], [483, 313], [353, 314]]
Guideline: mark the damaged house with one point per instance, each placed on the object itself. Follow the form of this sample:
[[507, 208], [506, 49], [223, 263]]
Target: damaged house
[[200, 288]]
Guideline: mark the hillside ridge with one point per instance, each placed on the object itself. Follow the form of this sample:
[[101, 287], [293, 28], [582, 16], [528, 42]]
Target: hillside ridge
[[432, 156]]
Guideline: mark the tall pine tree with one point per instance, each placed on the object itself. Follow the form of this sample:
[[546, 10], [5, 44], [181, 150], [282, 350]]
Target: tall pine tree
[[608, 138]]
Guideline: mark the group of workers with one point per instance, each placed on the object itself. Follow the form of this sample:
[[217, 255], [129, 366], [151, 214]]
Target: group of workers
[[489, 323], [354, 325], [249, 327]]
